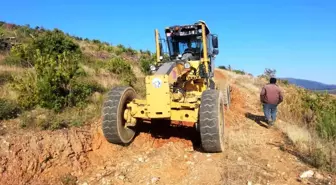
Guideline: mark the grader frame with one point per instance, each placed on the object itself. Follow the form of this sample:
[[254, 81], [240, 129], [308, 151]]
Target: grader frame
[[180, 88]]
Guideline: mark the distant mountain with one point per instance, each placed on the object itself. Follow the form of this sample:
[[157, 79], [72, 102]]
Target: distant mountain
[[309, 84]]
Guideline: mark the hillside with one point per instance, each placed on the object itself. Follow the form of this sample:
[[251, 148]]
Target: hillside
[[52, 86], [312, 85]]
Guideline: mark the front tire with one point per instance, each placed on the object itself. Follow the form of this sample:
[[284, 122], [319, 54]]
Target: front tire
[[211, 121], [113, 126]]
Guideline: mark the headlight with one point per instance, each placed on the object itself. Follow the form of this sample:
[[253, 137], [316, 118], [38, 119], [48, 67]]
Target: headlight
[[152, 67], [187, 65]]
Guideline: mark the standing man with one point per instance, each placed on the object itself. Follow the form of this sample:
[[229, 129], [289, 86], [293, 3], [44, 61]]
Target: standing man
[[271, 96]]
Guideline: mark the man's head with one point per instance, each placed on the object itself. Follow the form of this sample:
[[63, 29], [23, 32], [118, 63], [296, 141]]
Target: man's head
[[273, 80]]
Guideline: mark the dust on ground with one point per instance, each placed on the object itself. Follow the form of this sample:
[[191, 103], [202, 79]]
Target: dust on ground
[[158, 155]]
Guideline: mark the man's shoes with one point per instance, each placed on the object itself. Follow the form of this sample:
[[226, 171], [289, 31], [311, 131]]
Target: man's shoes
[[270, 123]]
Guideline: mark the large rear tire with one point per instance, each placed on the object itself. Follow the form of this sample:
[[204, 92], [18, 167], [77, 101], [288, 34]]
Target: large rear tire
[[211, 121], [114, 128]]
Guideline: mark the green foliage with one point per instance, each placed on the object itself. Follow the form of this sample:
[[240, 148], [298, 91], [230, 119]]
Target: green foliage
[[122, 68], [8, 109], [50, 43], [25, 85], [222, 67], [54, 43], [324, 108], [95, 41], [53, 85], [130, 51], [145, 63], [21, 55], [238, 71], [319, 158], [284, 82]]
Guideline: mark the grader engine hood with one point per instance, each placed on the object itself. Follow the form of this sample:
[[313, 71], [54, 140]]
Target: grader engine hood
[[173, 70]]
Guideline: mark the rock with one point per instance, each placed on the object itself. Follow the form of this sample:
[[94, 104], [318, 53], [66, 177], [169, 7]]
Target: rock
[[318, 176], [102, 168], [155, 180], [239, 159], [85, 183], [268, 165], [208, 155], [189, 149], [185, 156], [249, 183], [190, 163], [121, 177], [98, 175], [307, 174], [140, 159]]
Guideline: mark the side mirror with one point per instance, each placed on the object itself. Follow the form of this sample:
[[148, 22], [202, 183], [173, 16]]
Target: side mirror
[[214, 41], [215, 51]]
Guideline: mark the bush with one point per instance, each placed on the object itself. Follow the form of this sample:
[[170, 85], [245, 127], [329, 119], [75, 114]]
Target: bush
[[238, 71], [8, 109], [53, 85], [21, 55], [222, 67], [54, 43], [122, 68], [145, 63], [51, 43], [25, 85]]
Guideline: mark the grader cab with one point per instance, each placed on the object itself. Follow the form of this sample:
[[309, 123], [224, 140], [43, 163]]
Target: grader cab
[[181, 88]]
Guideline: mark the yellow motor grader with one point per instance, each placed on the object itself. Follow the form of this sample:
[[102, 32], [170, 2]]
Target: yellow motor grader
[[180, 88]]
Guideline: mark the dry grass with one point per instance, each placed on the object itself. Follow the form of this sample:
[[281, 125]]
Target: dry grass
[[2, 57], [7, 93], [106, 79], [299, 136], [309, 147], [11, 69]]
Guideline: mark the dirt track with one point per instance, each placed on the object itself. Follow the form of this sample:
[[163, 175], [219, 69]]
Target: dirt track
[[157, 156]]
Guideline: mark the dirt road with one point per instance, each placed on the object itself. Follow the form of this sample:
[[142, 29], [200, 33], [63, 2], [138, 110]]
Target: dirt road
[[157, 156]]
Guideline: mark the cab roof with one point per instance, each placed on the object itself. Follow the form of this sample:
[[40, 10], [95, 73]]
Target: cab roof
[[200, 22]]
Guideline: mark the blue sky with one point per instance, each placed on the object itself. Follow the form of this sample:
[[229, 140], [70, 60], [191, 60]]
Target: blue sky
[[295, 37]]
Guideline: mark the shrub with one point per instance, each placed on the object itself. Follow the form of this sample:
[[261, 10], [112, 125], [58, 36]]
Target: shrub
[[52, 43], [53, 85], [8, 109], [25, 85], [222, 67], [80, 90], [238, 71], [122, 68], [13, 60], [145, 63], [21, 55]]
